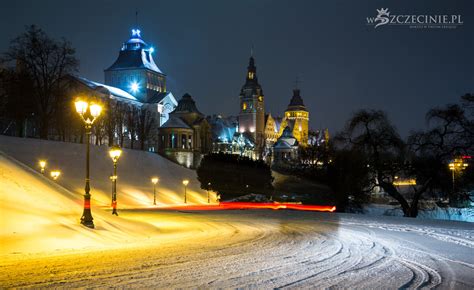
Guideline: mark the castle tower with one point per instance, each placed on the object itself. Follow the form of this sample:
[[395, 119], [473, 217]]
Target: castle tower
[[252, 111], [135, 71], [298, 118]]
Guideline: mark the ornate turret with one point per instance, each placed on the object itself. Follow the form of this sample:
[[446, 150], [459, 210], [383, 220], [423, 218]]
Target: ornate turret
[[298, 116], [251, 82], [296, 103], [186, 105], [135, 53], [136, 72]]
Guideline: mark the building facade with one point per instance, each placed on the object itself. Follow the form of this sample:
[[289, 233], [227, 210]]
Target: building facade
[[256, 133], [297, 117], [134, 96], [186, 135], [136, 72], [252, 110], [285, 149]]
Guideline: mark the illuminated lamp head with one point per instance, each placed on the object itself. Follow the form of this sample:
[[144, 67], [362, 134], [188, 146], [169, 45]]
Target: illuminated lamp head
[[152, 50], [115, 153]]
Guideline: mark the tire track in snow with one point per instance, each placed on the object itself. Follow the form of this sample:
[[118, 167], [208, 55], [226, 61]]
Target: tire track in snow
[[258, 250]]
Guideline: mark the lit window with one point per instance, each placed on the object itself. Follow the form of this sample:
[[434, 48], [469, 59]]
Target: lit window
[[251, 74], [260, 98], [244, 106]]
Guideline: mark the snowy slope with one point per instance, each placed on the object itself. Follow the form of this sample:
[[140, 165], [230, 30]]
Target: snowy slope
[[135, 169], [37, 215]]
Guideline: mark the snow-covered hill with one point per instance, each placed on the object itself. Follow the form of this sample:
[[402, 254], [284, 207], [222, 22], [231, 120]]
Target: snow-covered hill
[[135, 169], [37, 215]]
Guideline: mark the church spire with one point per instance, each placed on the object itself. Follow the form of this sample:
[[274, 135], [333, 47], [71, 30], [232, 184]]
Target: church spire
[[251, 69], [296, 90]]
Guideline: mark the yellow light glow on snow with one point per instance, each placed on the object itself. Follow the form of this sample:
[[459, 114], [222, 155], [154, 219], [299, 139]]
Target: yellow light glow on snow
[[404, 182]]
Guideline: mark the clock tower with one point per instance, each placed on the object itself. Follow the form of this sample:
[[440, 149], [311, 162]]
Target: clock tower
[[252, 111]]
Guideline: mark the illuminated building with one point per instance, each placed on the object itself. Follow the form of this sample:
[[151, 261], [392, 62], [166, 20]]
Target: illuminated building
[[256, 133], [297, 117], [136, 72], [186, 135], [285, 148], [134, 89], [252, 111]]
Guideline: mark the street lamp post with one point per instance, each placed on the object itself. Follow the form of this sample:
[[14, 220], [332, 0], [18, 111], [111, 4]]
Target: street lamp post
[[208, 188], [42, 164], [94, 113], [114, 153], [185, 183], [154, 180]]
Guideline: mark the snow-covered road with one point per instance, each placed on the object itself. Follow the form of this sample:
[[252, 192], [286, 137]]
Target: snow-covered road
[[264, 249]]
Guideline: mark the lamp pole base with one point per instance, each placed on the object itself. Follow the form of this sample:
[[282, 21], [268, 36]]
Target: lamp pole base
[[87, 221], [87, 218]]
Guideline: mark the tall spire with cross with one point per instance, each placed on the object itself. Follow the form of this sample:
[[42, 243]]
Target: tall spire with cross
[[136, 18], [297, 81]]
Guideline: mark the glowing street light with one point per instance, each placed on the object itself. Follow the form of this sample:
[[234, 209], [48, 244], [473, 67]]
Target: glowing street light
[[89, 119], [185, 183], [42, 165], [55, 174], [154, 180], [114, 153], [457, 165]]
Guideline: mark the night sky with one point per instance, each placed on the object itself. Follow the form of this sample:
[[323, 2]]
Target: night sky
[[343, 64]]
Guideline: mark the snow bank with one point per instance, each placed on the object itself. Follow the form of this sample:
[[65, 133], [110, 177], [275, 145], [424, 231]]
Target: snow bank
[[38, 215], [448, 213], [135, 169]]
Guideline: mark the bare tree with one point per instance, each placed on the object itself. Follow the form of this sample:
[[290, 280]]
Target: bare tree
[[47, 61], [120, 121], [370, 132], [145, 123], [110, 120], [450, 131], [17, 103], [132, 124]]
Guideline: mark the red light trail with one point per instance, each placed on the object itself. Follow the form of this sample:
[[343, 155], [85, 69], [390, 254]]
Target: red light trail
[[253, 205]]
